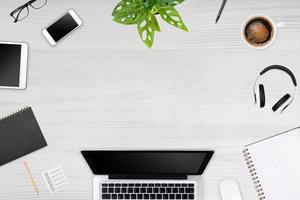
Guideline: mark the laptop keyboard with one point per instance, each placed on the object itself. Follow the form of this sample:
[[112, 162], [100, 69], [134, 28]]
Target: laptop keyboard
[[147, 190]]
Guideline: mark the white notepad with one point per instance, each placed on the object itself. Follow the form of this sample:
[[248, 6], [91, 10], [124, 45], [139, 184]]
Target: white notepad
[[56, 179], [274, 165]]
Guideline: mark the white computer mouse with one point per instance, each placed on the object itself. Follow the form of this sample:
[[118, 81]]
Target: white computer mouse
[[229, 190]]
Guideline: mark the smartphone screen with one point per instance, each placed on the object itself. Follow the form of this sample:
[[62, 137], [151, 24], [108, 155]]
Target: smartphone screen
[[62, 27]]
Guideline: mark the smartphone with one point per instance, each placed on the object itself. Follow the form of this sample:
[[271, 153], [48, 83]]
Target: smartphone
[[62, 27]]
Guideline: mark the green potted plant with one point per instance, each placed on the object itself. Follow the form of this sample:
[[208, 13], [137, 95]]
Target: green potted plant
[[143, 14]]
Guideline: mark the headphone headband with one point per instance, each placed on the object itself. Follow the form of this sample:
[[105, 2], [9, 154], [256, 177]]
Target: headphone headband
[[281, 68]]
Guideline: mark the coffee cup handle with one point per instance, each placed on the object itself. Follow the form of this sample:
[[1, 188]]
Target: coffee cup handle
[[280, 24]]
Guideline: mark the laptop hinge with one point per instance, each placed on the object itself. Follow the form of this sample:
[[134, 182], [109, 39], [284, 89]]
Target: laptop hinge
[[147, 176]]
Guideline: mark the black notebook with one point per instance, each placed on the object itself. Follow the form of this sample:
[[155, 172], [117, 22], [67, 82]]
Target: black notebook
[[20, 134]]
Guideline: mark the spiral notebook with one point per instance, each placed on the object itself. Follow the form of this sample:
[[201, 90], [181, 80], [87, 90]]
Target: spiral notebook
[[274, 166], [20, 134]]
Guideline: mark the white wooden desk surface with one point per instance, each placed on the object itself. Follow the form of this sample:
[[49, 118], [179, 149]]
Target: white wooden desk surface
[[101, 88]]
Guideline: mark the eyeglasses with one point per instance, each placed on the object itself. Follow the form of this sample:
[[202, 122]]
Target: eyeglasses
[[22, 12]]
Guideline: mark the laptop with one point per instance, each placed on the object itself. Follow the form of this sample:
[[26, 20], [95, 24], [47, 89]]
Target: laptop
[[147, 174]]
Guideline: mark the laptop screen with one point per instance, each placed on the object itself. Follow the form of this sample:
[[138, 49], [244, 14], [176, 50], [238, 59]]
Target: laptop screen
[[147, 162]]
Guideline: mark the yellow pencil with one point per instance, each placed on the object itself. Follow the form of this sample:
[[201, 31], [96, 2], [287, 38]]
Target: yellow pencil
[[28, 172]]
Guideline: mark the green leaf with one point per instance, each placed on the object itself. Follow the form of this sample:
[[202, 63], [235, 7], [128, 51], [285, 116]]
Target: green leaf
[[146, 28], [171, 16], [128, 12], [125, 5], [170, 2], [128, 18], [155, 24]]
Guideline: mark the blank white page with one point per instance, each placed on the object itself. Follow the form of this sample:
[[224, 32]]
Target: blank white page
[[277, 164]]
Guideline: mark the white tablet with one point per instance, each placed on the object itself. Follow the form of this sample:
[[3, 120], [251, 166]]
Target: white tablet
[[13, 65]]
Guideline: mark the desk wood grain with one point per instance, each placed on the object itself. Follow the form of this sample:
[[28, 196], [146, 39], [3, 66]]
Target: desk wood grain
[[101, 88]]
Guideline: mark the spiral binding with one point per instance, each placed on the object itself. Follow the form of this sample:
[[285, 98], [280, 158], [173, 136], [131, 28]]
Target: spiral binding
[[15, 113], [253, 174]]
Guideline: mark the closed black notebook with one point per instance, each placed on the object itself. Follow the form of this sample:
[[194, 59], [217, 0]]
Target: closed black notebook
[[20, 134]]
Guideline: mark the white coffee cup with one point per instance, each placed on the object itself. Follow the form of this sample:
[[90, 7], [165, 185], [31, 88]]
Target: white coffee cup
[[263, 19]]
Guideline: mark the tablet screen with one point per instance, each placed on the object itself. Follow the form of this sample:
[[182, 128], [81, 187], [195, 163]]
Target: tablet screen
[[10, 62]]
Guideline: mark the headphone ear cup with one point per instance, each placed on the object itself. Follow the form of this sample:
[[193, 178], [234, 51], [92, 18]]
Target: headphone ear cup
[[281, 102], [262, 98]]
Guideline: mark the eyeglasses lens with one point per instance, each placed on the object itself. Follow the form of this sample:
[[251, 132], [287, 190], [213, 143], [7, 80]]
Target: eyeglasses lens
[[38, 4]]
